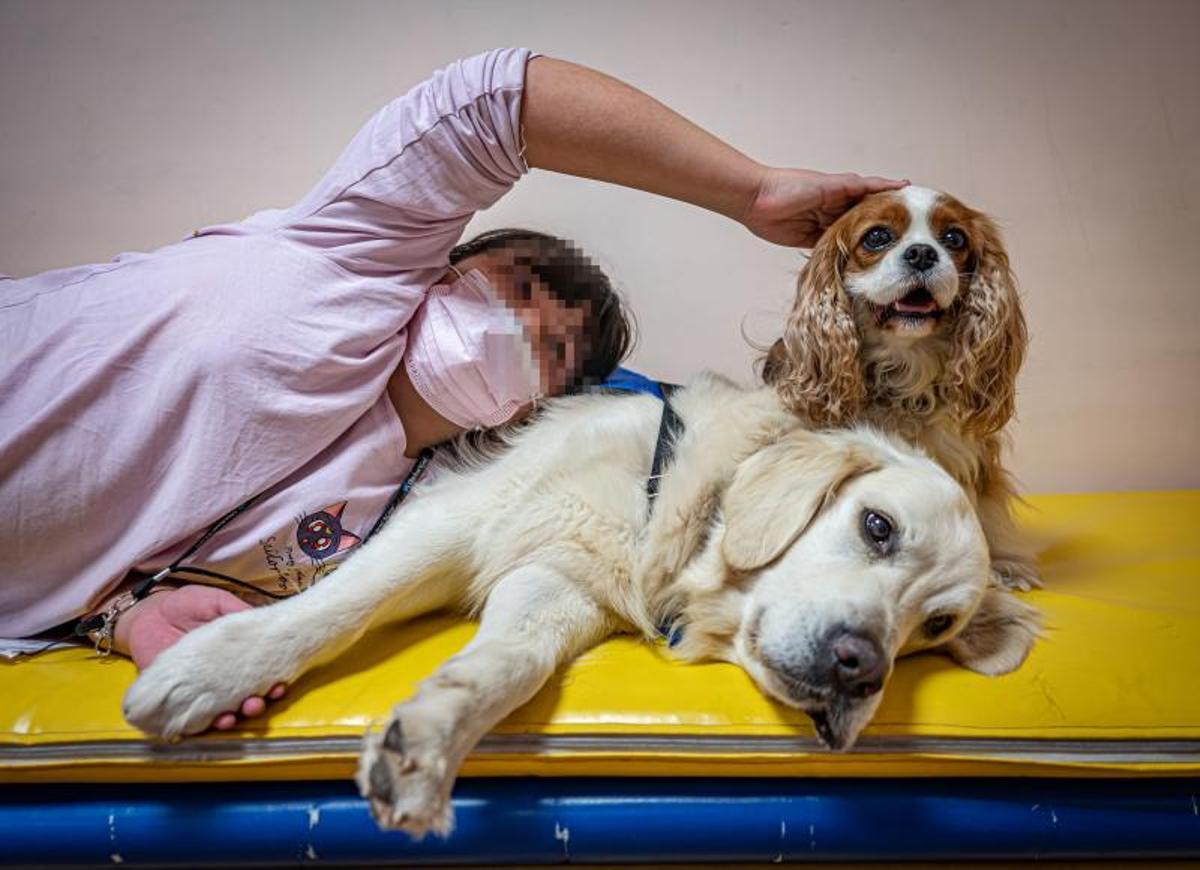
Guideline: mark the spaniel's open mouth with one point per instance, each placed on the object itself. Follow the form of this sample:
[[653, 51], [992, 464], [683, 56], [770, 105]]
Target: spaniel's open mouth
[[916, 306]]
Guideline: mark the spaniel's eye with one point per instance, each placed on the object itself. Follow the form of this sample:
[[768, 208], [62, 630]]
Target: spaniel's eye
[[877, 238], [878, 530], [954, 239], [936, 626]]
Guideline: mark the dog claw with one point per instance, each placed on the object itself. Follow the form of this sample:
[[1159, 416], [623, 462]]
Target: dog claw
[[393, 740], [381, 781]]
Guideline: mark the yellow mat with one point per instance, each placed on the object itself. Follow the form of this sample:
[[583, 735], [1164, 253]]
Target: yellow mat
[[1113, 688]]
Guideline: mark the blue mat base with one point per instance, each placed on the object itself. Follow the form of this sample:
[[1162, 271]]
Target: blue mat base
[[547, 821]]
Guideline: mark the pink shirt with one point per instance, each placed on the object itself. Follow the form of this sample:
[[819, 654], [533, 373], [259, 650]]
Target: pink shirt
[[144, 398]]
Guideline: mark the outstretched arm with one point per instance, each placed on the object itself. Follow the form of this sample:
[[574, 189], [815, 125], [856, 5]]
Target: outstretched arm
[[582, 122]]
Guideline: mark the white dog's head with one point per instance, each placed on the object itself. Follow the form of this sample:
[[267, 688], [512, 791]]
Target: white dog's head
[[835, 553]]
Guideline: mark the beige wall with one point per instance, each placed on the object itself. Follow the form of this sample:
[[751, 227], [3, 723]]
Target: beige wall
[[124, 125]]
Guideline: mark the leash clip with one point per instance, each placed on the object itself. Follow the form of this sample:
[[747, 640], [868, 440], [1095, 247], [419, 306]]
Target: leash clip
[[101, 627]]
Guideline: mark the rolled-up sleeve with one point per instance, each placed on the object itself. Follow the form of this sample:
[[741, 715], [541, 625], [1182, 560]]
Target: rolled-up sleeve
[[401, 193]]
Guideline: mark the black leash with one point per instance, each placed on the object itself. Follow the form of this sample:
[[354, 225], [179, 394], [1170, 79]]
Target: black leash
[[402, 493], [670, 428], [145, 586]]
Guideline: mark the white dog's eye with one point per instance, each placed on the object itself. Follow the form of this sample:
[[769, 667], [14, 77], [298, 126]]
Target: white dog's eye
[[935, 626], [878, 531], [954, 239], [877, 238]]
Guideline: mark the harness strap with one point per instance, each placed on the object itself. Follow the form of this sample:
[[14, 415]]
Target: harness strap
[[670, 428]]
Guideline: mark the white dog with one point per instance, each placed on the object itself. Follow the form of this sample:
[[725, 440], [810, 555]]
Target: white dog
[[827, 555]]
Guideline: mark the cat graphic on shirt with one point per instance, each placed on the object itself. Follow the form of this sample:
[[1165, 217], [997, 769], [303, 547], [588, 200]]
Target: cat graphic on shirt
[[320, 536]]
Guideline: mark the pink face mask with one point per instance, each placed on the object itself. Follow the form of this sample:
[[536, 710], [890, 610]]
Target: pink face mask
[[468, 356]]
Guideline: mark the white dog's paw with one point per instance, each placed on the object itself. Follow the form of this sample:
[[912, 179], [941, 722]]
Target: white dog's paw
[[209, 671], [406, 772], [177, 695], [1016, 575]]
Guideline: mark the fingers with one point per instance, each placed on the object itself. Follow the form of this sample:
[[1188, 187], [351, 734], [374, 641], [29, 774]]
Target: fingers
[[230, 604], [253, 706], [795, 206], [877, 184], [853, 187]]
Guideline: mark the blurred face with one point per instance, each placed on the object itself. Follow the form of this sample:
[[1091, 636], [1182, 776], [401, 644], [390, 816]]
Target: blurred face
[[553, 329]]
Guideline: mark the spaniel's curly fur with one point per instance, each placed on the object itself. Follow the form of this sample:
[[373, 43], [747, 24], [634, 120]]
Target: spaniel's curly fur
[[940, 372]]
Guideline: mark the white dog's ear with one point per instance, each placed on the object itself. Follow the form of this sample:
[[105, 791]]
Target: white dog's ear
[[999, 635], [777, 492]]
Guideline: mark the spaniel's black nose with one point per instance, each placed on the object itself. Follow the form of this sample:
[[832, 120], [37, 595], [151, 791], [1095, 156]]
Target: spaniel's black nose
[[921, 257]]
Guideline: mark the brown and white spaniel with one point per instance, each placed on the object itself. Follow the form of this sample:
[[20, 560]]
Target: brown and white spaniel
[[907, 317]]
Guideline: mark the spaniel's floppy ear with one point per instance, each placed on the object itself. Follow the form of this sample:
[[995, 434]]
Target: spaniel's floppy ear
[[999, 635], [777, 493], [989, 337], [815, 366]]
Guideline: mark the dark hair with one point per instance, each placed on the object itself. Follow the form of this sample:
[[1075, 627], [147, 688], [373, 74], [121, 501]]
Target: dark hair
[[573, 279]]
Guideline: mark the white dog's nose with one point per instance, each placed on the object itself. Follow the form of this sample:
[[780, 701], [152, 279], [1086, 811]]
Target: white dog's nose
[[857, 663]]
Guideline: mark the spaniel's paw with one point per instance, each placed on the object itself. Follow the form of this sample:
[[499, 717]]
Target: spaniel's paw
[[406, 773], [1016, 575]]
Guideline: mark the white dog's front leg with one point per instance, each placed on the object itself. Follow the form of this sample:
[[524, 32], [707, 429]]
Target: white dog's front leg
[[405, 570], [534, 620]]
